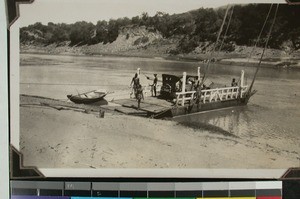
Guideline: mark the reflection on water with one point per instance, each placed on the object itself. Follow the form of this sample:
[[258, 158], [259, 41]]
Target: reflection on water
[[236, 122], [225, 122], [273, 113], [251, 121]]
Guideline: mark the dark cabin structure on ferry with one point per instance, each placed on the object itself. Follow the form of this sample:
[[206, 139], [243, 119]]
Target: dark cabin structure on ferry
[[171, 84]]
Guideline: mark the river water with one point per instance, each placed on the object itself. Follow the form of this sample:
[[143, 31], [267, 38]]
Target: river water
[[273, 113]]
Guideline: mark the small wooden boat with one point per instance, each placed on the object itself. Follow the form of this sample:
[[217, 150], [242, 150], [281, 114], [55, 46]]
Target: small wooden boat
[[88, 97]]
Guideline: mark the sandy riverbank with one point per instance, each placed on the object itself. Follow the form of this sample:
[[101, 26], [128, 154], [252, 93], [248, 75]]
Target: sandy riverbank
[[67, 137]]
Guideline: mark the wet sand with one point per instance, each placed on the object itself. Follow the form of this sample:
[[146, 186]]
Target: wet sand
[[59, 134]]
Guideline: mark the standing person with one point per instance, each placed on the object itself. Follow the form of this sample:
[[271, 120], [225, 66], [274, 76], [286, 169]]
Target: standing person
[[198, 92], [197, 84], [134, 83], [234, 83], [139, 95], [153, 86]]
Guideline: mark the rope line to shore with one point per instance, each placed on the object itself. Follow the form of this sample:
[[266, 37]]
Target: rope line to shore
[[260, 34], [71, 84]]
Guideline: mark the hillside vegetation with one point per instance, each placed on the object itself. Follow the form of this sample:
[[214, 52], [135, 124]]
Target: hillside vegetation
[[191, 32]]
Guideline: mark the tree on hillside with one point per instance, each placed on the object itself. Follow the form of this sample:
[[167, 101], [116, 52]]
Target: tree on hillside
[[144, 20], [135, 20], [207, 24], [101, 32], [57, 33], [81, 33], [287, 27], [160, 21]]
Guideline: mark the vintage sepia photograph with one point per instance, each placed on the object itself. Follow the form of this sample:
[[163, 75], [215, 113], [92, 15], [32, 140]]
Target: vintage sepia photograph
[[158, 84]]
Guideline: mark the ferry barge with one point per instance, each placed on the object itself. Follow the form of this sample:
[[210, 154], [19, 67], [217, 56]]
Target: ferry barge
[[182, 95]]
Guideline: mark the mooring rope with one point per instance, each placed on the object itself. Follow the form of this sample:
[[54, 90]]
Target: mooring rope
[[266, 44], [214, 48], [226, 31], [69, 84], [261, 31]]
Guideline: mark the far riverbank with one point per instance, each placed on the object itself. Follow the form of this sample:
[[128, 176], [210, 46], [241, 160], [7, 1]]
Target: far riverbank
[[273, 58]]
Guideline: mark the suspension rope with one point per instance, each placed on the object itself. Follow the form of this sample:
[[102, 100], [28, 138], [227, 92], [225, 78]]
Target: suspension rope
[[217, 41], [68, 84], [226, 31], [261, 31], [266, 44]]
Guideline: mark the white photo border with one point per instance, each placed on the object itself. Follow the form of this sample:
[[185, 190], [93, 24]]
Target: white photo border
[[114, 173]]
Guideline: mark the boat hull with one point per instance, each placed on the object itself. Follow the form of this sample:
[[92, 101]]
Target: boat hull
[[77, 99], [202, 107]]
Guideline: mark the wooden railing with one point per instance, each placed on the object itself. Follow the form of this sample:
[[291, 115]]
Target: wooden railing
[[183, 97], [212, 95]]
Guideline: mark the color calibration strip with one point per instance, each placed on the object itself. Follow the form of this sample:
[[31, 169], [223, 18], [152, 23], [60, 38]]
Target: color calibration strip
[[111, 190], [66, 197]]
